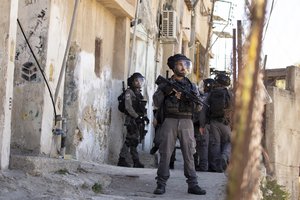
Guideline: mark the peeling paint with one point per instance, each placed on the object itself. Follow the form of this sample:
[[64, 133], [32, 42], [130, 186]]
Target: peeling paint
[[93, 96]]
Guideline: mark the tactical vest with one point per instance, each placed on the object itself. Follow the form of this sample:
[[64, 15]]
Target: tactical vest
[[139, 104], [179, 108]]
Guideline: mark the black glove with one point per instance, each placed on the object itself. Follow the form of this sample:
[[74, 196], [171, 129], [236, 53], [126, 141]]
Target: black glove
[[166, 89], [139, 120], [146, 119]]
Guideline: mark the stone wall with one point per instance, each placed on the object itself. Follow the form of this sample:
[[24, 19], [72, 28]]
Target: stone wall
[[283, 132]]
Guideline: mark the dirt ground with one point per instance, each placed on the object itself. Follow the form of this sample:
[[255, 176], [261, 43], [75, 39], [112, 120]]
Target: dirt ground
[[101, 181]]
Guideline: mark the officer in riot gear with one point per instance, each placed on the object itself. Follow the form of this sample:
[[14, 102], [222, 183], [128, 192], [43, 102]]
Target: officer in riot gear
[[134, 121], [177, 123], [201, 130], [218, 115]]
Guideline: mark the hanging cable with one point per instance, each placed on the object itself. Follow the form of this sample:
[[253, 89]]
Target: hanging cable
[[42, 72], [267, 26]]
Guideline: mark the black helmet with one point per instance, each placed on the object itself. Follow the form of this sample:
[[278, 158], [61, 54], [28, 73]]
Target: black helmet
[[208, 83], [135, 75], [222, 79], [173, 59]]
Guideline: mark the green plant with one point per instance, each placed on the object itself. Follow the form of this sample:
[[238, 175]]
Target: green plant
[[271, 190], [62, 171], [97, 188]]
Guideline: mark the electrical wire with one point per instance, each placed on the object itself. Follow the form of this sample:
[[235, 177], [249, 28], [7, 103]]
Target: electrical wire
[[267, 26], [42, 72]]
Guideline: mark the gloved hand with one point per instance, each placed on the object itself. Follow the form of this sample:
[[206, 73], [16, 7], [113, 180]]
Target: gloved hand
[[146, 119], [166, 89], [139, 120]]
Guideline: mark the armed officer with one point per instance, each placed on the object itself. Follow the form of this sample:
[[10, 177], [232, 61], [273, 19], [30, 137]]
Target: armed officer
[[201, 130], [218, 116], [134, 121], [177, 123]]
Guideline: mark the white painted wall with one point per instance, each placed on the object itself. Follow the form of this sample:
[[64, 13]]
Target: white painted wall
[[8, 21]]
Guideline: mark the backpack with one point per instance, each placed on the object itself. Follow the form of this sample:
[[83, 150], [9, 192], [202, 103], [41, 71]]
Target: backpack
[[218, 101], [121, 100]]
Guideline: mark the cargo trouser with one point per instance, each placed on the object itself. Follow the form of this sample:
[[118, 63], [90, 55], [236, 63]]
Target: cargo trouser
[[201, 156], [171, 130], [219, 145], [131, 142]]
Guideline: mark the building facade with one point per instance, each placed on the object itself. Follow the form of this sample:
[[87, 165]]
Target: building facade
[[81, 53]]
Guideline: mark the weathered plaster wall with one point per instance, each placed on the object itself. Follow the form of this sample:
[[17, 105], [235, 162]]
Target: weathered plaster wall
[[58, 30], [93, 97], [29, 86], [8, 18], [94, 109], [283, 132]]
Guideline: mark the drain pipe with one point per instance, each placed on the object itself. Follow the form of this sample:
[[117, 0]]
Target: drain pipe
[[60, 129], [63, 67], [134, 37]]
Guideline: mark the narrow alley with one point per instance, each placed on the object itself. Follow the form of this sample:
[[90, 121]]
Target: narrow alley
[[64, 63]]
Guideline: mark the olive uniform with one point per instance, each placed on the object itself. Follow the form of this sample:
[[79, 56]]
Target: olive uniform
[[134, 122], [177, 124]]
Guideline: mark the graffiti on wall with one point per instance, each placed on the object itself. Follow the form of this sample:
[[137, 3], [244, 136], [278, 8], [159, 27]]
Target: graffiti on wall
[[36, 34], [29, 71], [28, 2], [35, 30]]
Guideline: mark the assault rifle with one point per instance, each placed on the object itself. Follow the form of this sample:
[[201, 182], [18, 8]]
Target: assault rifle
[[179, 88]]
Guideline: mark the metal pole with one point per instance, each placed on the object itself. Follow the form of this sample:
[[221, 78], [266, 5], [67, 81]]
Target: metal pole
[[63, 67], [234, 57], [239, 47], [264, 67], [210, 24]]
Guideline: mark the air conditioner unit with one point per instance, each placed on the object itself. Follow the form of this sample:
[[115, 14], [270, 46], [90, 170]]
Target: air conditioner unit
[[168, 29]]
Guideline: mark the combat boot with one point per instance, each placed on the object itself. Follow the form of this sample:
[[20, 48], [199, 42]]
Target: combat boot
[[137, 164], [122, 162], [160, 189], [196, 190], [153, 150], [171, 165]]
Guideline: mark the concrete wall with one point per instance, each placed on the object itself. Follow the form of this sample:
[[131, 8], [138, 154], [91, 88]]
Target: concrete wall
[[29, 86], [283, 132], [8, 21]]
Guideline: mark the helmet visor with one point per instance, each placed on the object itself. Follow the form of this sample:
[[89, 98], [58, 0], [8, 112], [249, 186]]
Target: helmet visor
[[139, 82], [186, 65]]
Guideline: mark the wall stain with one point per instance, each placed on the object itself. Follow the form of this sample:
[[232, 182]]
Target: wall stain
[[12, 51], [51, 69]]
